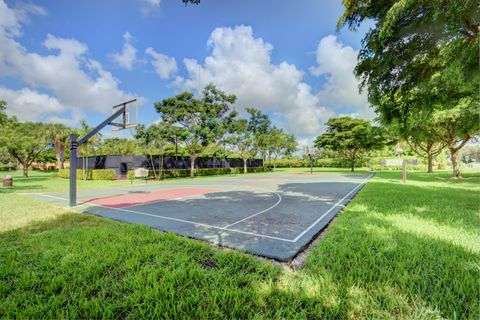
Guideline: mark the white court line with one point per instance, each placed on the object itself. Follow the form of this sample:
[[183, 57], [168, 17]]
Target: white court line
[[329, 210], [176, 219], [225, 228], [256, 214]]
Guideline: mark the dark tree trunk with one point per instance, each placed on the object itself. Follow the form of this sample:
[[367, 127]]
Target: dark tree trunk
[[245, 170]]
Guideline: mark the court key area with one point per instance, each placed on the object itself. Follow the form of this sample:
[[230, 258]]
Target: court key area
[[271, 215]]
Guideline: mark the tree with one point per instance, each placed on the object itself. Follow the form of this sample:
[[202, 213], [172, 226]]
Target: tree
[[421, 135], [259, 124], [3, 115], [91, 143], [352, 138], [201, 121], [60, 136], [421, 58], [118, 146], [311, 153], [279, 144], [242, 141], [24, 141], [155, 139]]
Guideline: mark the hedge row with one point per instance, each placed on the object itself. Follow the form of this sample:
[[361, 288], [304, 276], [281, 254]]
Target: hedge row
[[326, 163], [96, 174], [8, 168], [397, 168], [179, 173]]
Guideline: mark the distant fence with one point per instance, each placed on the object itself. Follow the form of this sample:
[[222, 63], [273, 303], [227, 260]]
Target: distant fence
[[121, 164]]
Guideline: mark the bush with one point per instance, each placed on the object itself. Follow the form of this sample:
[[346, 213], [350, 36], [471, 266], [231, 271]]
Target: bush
[[398, 168], [325, 163], [290, 163], [7, 167], [181, 173], [104, 174], [96, 174]]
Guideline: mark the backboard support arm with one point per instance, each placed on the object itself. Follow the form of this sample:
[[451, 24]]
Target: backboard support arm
[[74, 145]]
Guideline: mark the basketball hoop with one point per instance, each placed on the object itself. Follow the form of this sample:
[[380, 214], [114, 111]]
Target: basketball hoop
[[128, 119]]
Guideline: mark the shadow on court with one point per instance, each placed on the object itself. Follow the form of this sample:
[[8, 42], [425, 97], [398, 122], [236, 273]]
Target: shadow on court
[[275, 219]]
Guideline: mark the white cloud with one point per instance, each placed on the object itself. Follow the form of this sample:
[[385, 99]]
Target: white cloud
[[77, 82], [336, 62], [241, 64], [30, 105], [127, 58], [164, 65], [149, 6]]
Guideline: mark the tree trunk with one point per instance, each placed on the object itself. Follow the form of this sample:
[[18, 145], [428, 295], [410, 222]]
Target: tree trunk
[[192, 165], [25, 170], [59, 152], [161, 166], [274, 164], [430, 163], [352, 165], [245, 170], [153, 166], [455, 166]]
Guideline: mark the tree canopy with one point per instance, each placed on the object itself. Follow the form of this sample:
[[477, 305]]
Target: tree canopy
[[421, 60], [352, 138], [200, 121], [24, 141]]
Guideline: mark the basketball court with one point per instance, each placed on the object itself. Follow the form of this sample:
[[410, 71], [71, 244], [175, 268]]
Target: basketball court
[[271, 215]]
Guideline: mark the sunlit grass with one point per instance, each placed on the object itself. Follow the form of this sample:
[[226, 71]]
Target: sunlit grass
[[398, 251]]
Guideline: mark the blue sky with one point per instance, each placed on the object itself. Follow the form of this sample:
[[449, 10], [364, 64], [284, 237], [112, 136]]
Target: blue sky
[[70, 60]]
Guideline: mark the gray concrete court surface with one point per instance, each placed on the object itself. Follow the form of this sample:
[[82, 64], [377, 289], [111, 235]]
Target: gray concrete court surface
[[271, 215]]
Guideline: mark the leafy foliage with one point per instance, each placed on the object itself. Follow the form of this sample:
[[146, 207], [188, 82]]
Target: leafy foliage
[[421, 60], [24, 141], [199, 121], [352, 138], [3, 115]]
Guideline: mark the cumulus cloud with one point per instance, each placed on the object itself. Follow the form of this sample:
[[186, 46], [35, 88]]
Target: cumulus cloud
[[76, 82], [241, 64], [30, 105], [336, 62], [127, 58], [164, 65]]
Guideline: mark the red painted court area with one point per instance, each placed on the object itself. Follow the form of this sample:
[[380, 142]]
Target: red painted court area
[[134, 199]]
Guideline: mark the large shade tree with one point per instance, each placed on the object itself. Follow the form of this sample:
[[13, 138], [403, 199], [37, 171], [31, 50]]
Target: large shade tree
[[421, 135], [24, 141], [351, 138], [421, 57], [201, 120]]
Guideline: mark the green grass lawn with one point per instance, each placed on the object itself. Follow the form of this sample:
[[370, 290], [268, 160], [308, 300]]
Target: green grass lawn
[[398, 251]]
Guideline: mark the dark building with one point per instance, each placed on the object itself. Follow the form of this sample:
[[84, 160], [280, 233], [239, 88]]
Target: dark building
[[121, 164]]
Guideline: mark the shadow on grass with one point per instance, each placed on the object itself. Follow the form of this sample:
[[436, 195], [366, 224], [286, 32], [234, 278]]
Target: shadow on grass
[[449, 206], [421, 241]]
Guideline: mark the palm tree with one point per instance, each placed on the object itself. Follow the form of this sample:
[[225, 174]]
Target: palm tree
[[59, 134], [92, 142]]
